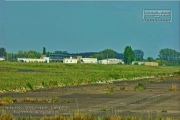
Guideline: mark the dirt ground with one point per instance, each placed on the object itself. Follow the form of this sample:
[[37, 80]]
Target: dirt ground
[[98, 99]]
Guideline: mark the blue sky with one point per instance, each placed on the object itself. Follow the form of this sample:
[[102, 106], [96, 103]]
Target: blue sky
[[87, 26]]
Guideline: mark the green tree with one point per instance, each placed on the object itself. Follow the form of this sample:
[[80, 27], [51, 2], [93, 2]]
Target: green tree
[[138, 55], [3, 52], [99, 56], [105, 54], [48, 53], [171, 56], [33, 54], [44, 51], [128, 55], [150, 59], [11, 57], [20, 54], [108, 53]]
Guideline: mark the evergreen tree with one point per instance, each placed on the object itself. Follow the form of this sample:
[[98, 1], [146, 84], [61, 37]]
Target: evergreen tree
[[128, 55], [44, 51]]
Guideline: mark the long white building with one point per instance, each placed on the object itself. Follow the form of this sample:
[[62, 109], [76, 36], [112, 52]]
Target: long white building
[[110, 61], [45, 59], [88, 60], [69, 60]]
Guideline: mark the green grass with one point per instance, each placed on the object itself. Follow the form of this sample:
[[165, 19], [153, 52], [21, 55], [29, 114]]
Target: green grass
[[20, 77]]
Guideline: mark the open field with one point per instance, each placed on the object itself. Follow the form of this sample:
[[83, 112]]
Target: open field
[[20, 77], [87, 90], [118, 100]]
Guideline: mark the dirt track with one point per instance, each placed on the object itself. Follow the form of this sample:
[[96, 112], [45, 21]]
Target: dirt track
[[156, 100]]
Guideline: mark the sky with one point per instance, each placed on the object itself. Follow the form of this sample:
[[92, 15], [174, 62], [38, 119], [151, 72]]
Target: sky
[[87, 26]]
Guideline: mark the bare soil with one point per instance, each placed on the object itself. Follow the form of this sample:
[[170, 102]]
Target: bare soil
[[96, 99]]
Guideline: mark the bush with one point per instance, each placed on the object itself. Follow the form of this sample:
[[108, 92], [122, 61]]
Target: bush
[[136, 63], [55, 100], [30, 86], [140, 86], [122, 87], [173, 88], [177, 73], [108, 89]]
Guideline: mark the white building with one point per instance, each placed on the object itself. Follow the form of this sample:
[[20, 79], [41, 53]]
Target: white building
[[69, 60], [88, 60], [151, 64], [45, 59], [110, 61], [2, 59]]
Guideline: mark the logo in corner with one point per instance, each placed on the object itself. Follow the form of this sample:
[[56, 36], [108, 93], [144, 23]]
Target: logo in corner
[[157, 15]]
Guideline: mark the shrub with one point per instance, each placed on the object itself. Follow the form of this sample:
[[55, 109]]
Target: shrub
[[55, 99], [140, 86], [177, 73], [136, 63], [122, 87], [30, 86], [108, 89], [173, 88]]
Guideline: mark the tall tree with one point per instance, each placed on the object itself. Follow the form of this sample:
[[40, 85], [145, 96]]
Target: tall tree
[[33, 54], [128, 55], [44, 51], [3, 52], [105, 54], [170, 55], [108, 53], [20, 54], [150, 59], [138, 55]]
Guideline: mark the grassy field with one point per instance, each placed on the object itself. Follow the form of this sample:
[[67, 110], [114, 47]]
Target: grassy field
[[19, 77]]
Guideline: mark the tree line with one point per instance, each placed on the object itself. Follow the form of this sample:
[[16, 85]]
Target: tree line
[[166, 56]]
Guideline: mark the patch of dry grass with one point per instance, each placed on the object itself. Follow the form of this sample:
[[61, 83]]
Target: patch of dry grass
[[6, 100], [4, 115], [173, 87]]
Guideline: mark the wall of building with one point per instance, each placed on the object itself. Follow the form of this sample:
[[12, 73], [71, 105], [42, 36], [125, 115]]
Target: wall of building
[[88, 60], [110, 61], [69, 60], [151, 64], [45, 59], [2, 59]]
